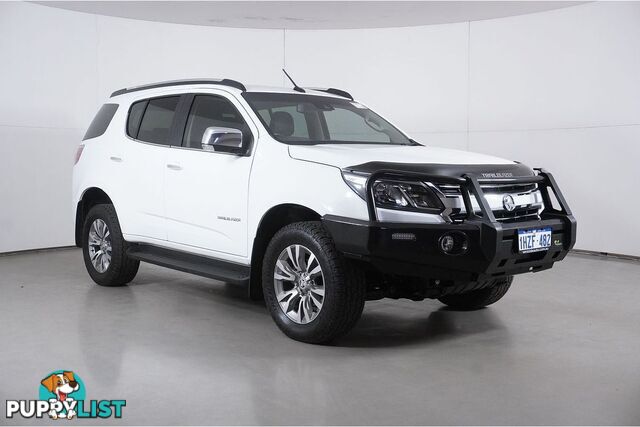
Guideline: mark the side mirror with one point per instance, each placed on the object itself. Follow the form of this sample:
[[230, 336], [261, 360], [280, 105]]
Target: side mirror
[[224, 140]]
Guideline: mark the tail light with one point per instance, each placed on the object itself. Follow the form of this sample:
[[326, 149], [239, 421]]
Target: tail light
[[78, 153]]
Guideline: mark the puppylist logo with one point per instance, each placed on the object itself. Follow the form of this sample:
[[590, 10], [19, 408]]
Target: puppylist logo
[[62, 396]]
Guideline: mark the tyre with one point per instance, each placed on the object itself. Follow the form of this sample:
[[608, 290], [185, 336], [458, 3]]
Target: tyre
[[313, 293], [104, 249], [479, 298]]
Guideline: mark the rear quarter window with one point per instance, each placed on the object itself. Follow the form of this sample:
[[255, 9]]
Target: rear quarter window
[[135, 116], [101, 121]]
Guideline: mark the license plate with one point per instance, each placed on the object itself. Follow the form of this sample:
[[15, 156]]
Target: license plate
[[534, 240]]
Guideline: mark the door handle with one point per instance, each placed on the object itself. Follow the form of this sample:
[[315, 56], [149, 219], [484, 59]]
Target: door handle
[[174, 167], [116, 159]]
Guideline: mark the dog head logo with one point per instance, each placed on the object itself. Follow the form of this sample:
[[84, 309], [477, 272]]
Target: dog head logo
[[62, 386]]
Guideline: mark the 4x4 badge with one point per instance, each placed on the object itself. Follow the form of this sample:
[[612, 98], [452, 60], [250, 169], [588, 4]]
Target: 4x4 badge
[[508, 202]]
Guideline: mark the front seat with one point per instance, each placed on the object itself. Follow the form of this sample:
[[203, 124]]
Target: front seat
[[281, 124]]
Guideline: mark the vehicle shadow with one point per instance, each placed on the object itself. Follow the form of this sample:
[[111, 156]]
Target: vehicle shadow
[[388, 329], [383, 324], [391, 326]]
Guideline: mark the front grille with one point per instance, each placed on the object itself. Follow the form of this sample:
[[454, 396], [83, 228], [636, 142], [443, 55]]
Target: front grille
[[517, 215], [449, 189], [454, 190], [453, 198], [508, 188]]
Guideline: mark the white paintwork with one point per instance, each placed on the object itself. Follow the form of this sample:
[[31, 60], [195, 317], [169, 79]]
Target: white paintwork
[[146, 205], [349, 155], [212, 203]]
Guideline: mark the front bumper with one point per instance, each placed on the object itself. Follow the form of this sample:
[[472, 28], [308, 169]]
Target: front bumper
[[413, 249]]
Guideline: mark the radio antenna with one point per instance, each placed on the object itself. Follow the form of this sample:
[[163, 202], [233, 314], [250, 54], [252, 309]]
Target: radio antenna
[[295, 86]]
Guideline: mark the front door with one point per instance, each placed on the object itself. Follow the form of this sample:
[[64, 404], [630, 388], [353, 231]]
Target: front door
[[206, 191]]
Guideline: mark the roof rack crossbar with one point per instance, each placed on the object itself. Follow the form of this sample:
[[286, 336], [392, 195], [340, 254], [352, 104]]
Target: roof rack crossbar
[[334, 91], [222, 82]]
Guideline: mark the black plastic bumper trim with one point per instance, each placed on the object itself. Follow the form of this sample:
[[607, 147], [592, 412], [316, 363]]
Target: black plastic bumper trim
[[491, 252]]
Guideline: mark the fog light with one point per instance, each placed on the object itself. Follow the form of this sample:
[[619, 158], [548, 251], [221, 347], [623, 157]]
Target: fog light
[[454, 243], [403, 236], [446, 243]]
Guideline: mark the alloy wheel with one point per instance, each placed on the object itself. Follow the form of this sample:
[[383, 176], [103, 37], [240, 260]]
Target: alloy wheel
[[100, 245], [299, 284]]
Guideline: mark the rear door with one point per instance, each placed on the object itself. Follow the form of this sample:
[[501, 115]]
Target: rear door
[[150, 132], [206, 191]]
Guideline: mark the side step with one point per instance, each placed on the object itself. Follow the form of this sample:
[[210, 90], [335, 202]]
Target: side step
[[202, 266]]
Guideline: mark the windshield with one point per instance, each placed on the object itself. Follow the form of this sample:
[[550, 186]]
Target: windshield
[[310, 119]]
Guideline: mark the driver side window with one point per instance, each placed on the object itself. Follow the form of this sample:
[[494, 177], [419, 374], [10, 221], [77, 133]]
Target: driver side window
[[212, 111]]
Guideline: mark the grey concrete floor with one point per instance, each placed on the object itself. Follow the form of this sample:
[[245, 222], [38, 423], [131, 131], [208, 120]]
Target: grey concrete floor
[[563, 347]]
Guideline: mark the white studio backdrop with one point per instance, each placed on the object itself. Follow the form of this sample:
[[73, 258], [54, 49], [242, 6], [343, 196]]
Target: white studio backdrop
[[556, 89]]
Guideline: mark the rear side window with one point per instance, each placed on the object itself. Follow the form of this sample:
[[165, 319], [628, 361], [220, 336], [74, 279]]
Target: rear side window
[[101, 121], [135, 115], [157, 119]]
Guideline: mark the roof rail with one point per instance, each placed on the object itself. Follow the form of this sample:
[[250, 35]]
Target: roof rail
[[222, 82], [333, 91]]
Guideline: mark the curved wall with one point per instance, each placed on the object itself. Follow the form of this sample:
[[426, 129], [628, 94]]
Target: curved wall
[[60, 66], [557, 89]]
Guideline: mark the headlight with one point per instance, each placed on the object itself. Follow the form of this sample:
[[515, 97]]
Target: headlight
[[393, 194], [405, 196]]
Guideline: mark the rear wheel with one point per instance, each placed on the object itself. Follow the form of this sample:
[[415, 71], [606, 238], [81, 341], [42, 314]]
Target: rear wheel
[[313, 293], [104, 248], [479, 298]]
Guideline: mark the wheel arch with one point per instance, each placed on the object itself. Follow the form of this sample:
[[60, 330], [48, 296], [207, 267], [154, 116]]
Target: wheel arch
[[273, 220], [92, 196]]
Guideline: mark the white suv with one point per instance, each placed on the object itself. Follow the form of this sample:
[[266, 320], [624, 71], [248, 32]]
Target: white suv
[[309, 199]]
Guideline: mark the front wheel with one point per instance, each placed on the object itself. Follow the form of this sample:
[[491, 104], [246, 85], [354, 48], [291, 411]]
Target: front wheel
[[313, 293], [479, 298]]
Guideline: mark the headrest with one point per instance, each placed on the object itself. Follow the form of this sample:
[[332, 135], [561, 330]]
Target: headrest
[[281, 124]]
